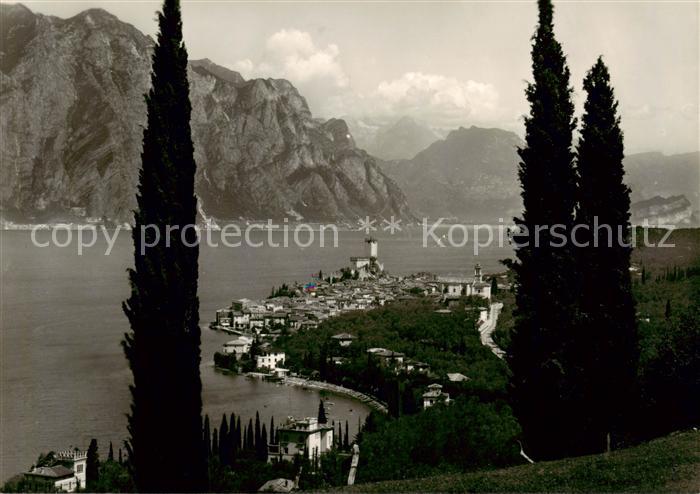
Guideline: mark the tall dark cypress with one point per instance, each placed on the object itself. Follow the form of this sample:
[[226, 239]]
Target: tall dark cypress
[[232, 443], [224, 453], [257, 428], [215, 443], [607, 341], [239, 441], [165, 446], [322, 413], [207, 437], [92, 467], [261, 447], [250, 443], [545, 269]]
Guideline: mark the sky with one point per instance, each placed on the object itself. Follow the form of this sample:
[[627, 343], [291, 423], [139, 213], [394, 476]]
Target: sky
[[447, 63]]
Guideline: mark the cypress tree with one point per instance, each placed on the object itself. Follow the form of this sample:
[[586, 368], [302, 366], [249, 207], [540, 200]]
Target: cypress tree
[[165, 447], [321, 413], [92, 466], [223, 441], [606, 344], [273, 440], [239, 441], [667, 310], [250, 446], [261, 447], [110, 455], [257, 428], [207, 436], [120, 456], [215, 443], [545, 279], [232, 446]]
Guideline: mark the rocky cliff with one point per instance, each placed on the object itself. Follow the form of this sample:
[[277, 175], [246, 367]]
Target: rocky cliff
[[71, 93]]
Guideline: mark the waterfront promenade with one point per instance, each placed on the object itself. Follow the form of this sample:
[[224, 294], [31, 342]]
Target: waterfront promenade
[[334, 388]]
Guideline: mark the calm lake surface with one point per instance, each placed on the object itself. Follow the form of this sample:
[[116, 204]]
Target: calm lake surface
[[64, 378]]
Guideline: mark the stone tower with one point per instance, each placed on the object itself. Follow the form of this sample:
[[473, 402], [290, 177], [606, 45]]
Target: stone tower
[[372, 248]]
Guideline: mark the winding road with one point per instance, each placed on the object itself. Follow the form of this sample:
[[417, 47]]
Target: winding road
[[486, 330]]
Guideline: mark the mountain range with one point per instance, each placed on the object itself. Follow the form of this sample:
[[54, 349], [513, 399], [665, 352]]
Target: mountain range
[[401, 139], [471, 175], [73, 111]]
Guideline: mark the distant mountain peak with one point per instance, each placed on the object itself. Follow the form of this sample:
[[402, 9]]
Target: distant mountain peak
[[400, 139], [217, 70], [14, 8]]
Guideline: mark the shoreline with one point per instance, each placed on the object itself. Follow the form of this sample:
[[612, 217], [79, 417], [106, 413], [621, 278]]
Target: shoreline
[[370, 401], [304, 383]]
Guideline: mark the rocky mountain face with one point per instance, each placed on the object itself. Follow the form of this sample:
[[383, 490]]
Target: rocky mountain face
[[470, 176], [71, 93], [660, 211], [402, 139]]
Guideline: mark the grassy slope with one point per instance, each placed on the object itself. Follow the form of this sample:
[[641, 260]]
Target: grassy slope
[[669, 464]]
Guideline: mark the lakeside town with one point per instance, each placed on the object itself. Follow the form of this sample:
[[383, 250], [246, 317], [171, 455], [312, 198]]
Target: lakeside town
[[575, 369], [362, 286]]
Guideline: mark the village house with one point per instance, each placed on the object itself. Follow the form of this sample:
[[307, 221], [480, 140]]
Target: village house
[[239, 346], [306, 438], [456, 377], [414, 366], [63, 478], [456, 287], [343, 339], [223, 318], [269, 361], [276, 318], [388, 358], [434, 395]]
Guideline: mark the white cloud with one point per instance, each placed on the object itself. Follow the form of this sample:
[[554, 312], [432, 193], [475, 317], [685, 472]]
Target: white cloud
[[438, 100], [292, 54]]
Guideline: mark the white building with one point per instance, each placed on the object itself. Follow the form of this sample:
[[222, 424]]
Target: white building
[[343, 339], [455, 287], [306, 438], [63, 478], [239, 346], [434, 395], [269, 361]]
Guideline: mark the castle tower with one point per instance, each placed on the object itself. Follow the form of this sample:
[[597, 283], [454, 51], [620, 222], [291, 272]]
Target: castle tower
[[373, 248], [477, 274]]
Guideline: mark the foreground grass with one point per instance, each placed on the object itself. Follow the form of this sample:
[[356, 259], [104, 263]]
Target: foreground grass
[[669, 464]]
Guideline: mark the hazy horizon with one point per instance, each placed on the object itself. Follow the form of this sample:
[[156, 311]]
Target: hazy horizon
[[447, 64]]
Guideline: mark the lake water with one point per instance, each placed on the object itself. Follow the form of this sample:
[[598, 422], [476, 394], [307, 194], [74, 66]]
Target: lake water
[[64, 378]]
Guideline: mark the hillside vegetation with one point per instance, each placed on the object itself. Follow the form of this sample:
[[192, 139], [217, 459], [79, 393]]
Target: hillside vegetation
[[669, 464]]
